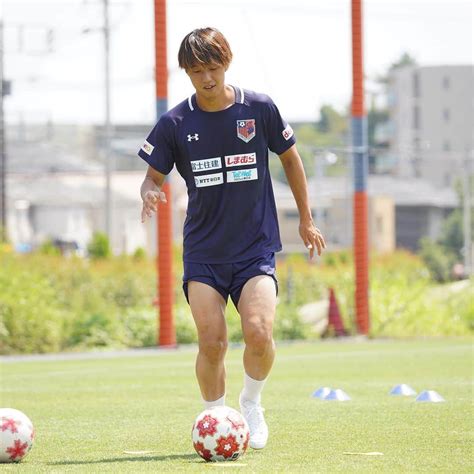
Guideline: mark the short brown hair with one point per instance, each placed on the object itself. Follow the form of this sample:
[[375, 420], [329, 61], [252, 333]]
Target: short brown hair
[[204, 46]]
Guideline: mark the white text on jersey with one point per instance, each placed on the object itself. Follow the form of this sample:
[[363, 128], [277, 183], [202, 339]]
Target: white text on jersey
[[208, 180]]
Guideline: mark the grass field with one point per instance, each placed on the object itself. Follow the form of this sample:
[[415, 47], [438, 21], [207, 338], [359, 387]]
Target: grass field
[[88, 411]]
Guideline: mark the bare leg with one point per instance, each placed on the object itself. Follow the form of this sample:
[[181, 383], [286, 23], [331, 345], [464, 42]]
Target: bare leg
[[208, 308], [257, 307]]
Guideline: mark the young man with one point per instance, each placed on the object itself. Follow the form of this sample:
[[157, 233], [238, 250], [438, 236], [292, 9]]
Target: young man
[[218, 139]]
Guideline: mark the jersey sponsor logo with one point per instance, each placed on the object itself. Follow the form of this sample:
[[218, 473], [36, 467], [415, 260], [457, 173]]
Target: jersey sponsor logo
[[206, 165], [148, 148], [246, 129], [242, 175], [193, 137], [239, 160], [287, 133], [208, 180]]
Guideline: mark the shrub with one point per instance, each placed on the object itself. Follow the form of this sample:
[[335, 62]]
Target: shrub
[[48, 248], [139, 254], [31, 319], [51, 303], [99, 246], [438, 259]]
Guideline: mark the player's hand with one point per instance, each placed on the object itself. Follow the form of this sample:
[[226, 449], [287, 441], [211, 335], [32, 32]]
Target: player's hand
[[312, 238], [150, 203]]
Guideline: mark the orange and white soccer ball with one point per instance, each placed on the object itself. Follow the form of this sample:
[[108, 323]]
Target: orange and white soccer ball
[[16, 435], [220, 434]]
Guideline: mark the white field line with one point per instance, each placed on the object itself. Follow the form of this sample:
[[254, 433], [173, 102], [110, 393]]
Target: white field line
[[150, 352]]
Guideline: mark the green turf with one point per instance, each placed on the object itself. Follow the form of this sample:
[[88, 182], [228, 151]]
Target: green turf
[[88, 412]]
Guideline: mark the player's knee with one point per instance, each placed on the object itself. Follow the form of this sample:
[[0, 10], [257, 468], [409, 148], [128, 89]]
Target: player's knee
[[259, 340], [213, 349]]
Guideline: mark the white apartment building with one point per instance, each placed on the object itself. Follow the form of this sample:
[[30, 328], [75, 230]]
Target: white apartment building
[[432, 121]]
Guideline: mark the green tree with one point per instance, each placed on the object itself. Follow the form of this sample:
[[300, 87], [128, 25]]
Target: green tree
[[452, 231], [99, 246], [437, 258], [440, 256], [451, 236], [331, 122], [404, 60], [375, 117]]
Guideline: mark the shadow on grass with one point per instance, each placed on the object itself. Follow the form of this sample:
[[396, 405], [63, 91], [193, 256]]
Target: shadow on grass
[[169, 457]]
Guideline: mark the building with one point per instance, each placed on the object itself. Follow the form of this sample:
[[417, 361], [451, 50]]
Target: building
[[400, 212], [56, 190], [69, 207], [431, 129]]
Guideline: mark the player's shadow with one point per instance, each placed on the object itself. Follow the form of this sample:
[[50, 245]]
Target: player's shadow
[[168, 457]]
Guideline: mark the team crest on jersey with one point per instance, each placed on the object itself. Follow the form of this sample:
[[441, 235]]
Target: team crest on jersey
[[246, 129]]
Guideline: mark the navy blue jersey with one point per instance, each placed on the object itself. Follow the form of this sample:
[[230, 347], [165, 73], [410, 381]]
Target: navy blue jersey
[[223, 157]]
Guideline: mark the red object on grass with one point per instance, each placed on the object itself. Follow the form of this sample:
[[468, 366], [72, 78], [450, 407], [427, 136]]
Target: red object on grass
[[335, 324]]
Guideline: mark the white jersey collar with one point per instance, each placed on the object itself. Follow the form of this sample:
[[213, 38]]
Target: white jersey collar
[[239, 97]]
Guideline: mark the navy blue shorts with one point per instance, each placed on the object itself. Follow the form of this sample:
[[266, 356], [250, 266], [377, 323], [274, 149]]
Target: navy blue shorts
[[229, 278]]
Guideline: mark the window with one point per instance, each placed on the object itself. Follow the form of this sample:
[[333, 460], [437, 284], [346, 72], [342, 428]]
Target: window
[[446, 115], [416, 118], [446, 83], [446, 145], [391, 98], [416, 85]]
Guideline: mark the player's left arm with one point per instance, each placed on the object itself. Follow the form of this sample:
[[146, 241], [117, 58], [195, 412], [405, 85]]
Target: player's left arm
[[294, 171]]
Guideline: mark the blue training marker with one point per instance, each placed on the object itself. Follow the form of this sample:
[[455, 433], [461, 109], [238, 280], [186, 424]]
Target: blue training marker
[[402, 389], [337, 395], [321, 392], [430, 396]]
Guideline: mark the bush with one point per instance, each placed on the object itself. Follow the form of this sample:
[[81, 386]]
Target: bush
[[31, 319], [99, 246], [139, 254], [48, 248], [438, 259], [51, 303]]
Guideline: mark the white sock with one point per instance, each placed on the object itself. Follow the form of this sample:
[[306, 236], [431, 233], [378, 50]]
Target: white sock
[[252, 389], [220, 402]]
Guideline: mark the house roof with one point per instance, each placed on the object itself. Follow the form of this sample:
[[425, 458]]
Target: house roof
[[79, 188], [404, 192], [73, 189]]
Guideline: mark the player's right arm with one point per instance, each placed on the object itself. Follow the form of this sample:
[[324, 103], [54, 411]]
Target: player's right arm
[[151, 193]]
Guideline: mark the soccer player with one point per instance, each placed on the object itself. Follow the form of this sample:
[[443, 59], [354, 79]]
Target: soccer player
[[218, 139]]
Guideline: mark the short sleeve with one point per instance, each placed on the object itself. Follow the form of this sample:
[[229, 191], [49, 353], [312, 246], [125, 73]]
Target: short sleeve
[[158, 149], [280, 134]]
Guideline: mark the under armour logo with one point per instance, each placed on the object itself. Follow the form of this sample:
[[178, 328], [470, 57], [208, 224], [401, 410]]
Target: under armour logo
[[193, 137]]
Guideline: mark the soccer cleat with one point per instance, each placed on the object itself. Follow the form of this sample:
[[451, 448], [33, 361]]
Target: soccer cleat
[[253, 414]]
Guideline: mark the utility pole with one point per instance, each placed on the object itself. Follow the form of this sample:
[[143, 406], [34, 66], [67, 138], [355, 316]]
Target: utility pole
[[3, 156], [5, 89], [107, 126], [467, 213]]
